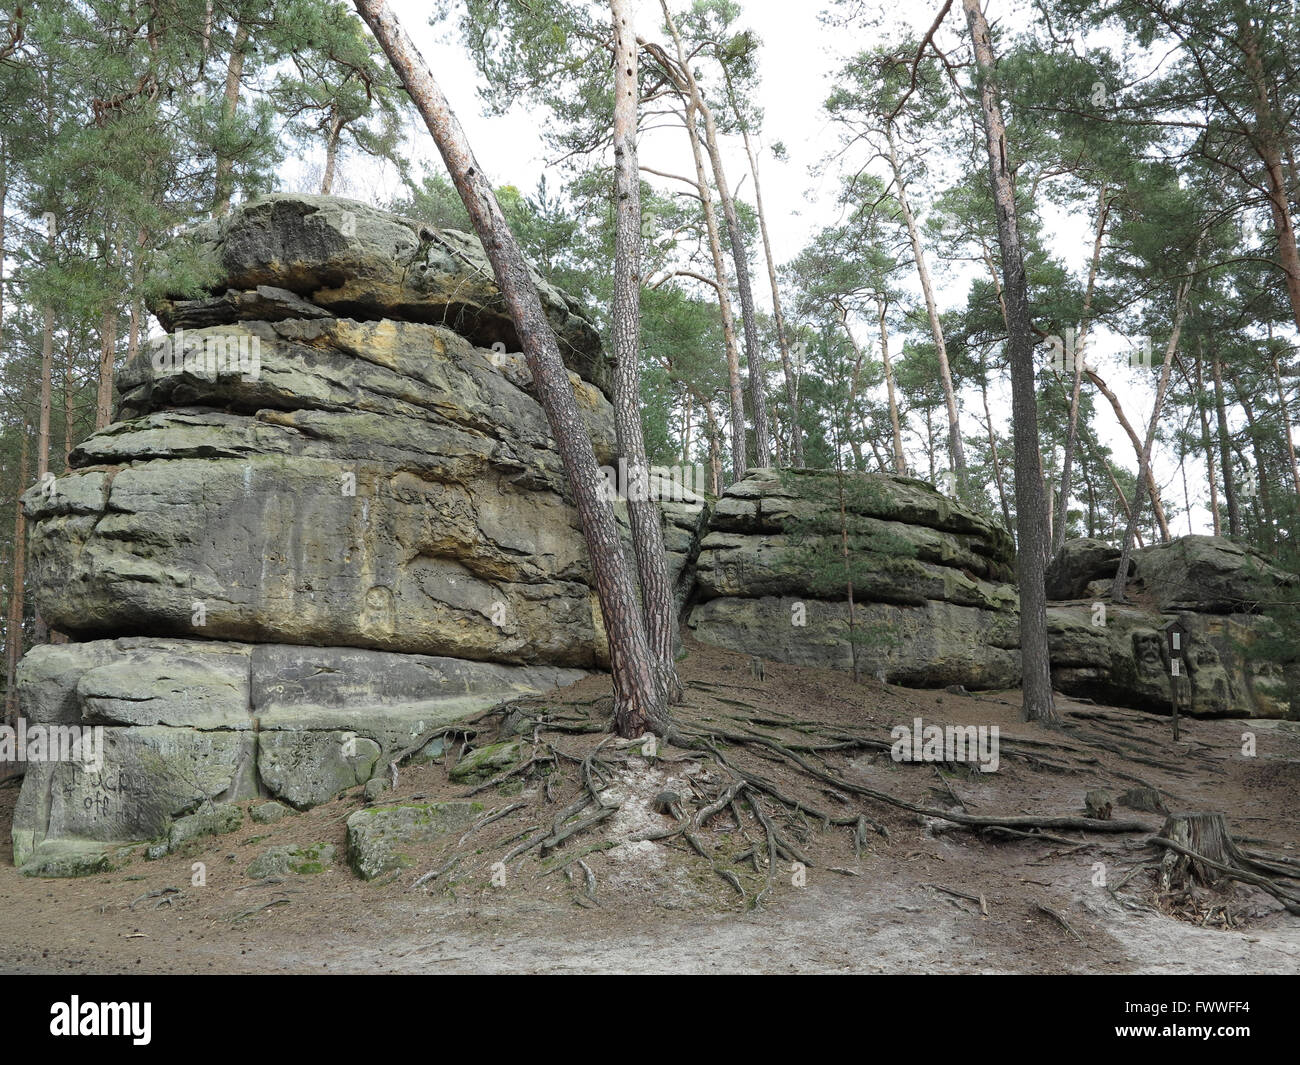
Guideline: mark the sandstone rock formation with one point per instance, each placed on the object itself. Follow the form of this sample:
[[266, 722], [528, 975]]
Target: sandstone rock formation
[[298, 256], [935, 601], [1218, 589], [330, 518]]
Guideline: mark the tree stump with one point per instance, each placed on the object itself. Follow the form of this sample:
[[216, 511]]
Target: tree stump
[[1146, 799], [1098, 804], [1207, 835]]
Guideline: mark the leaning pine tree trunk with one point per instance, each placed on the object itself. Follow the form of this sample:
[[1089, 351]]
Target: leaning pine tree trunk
[[1031, 507], [956, 451], [1144, 463], [643, 510], [638, 703]]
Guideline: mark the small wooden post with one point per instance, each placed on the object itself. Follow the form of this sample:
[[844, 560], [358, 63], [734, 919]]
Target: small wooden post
[[1176, 639]]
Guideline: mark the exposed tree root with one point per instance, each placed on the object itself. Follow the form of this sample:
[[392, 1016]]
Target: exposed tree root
[[739, 818]]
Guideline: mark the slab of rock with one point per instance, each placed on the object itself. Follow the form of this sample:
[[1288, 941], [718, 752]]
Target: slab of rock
[[356, 261], [386, 838], [1209, 575], [379, 485], [1119, 657], [1078, 564], [934, 603], [291, 858], [297, 723], [214, 821], [932, 646], [268, 813], [150, 775], [69, 858], [442, 532]]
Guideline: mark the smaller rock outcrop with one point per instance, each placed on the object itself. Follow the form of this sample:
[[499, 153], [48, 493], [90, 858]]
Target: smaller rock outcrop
[[1078, 564], [1117, 653], [190, 723], [934, 605], [1209, 575]]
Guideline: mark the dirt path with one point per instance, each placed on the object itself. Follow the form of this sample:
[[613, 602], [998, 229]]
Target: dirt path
[[659, 911]]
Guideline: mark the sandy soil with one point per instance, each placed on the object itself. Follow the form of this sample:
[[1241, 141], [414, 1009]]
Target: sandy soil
[[659, 908]]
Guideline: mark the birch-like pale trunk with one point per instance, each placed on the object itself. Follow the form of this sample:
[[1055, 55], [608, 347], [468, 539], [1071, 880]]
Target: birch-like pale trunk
[[895, 424], [735, 237], [955, 449], [638, 702], [1144, 470], [229, 105], [1067, 463]]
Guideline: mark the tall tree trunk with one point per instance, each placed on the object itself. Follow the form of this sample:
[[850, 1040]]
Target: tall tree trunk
[[1131, 433], [859, 356], [1205, 438], [643, 510], [41, 633], [1067, 463], [736, 237], [1031, 556], [332, 152], [107, 354], [1119, 495], [1225, 447], [1051, 496], [778, 316], [686, 429], [929, 441], [1092, 501], [900, 460], [993, 449], [133, 335], [1284, 412], [14, 627], [1264, 494], [1144, 465], [955, 448], [715, 452], [1267, 143], [739, 449], [68, 413], [229, 106], [638, 703]]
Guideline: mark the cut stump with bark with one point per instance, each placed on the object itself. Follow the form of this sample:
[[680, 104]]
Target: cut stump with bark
[[1207, 836], [1148, 800]]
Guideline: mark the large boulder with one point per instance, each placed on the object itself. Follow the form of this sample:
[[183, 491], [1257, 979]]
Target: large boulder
[[187, 723], [934, 605], [381, 840], [382, 485], [331, 518], [1078, 564], [291, 255], [1119, 655], [1209, 575]]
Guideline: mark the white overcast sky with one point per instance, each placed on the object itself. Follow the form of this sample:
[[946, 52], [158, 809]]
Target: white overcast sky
[[798, 58]]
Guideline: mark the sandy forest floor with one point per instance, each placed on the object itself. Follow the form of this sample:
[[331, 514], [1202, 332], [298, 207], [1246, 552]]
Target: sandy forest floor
[[923, 896]]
